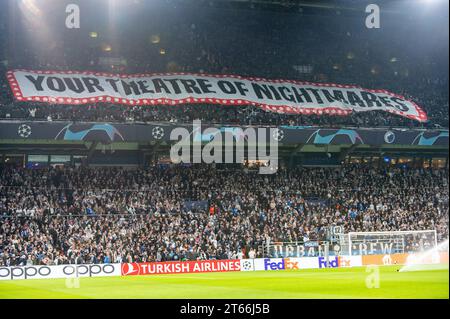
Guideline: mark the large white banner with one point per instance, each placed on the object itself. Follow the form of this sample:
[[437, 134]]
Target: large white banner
[[282, 96]]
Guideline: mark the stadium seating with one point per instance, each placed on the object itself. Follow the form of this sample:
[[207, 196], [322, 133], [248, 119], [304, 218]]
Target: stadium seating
[[80, 215]]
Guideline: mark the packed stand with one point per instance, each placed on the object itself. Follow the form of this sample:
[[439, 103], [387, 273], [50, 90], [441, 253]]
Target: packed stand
[[79, 215]]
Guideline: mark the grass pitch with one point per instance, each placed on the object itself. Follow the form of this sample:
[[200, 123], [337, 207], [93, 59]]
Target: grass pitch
[[307, 283]]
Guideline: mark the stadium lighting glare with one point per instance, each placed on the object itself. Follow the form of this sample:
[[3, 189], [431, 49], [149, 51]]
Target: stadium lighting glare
[[155, 39], [107, 48], [31, 12], [33, 18], [431, 1], [30, 7]]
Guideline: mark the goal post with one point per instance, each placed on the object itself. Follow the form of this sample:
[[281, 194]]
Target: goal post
[[390, 242]]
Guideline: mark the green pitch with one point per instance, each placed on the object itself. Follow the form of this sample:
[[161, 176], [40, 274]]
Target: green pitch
[[314, 283]]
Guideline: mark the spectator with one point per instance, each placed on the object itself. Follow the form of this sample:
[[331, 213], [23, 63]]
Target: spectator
[[297, 205]]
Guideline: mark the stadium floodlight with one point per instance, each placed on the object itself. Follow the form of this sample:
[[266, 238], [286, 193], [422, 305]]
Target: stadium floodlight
[[390, 242]]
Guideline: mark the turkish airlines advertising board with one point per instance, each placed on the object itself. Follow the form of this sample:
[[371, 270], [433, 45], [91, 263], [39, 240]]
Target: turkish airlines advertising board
[[180, 267]]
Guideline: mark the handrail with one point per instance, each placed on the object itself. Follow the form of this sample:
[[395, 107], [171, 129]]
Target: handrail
[[227, 124]]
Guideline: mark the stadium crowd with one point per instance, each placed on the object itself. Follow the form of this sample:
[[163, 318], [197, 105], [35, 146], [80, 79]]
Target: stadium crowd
[[80, 215], [100, 215]]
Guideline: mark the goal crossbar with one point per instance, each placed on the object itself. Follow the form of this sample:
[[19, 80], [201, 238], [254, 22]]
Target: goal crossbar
[[393, 233]]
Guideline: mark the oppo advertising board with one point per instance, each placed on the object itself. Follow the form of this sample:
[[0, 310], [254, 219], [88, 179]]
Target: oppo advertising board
[[59, 271]]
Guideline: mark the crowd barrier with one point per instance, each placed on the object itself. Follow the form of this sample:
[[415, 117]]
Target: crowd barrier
[[208, 266]]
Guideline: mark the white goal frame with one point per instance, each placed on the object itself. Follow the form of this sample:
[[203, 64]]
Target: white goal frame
[[349, 235]]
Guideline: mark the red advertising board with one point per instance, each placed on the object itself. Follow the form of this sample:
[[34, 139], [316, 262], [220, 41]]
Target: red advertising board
[[180, 267]]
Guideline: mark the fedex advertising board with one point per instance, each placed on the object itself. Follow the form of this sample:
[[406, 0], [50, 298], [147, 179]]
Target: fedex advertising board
[[339, 261], [284, 263]]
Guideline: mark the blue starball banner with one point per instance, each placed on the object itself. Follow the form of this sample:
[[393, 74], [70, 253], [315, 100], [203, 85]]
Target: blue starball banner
[[161, 132]]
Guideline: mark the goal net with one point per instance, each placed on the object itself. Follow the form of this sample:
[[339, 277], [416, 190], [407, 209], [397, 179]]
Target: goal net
[[372, 243]]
